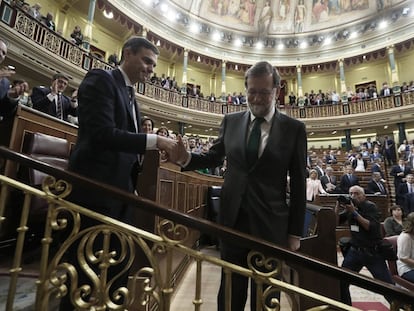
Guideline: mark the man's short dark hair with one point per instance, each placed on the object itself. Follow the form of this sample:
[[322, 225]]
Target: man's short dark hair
[[60, 75], [135, 44], [260, 69]]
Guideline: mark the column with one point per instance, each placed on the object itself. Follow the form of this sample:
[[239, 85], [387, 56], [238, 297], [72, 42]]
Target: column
[[185, 65], [223, 80], [348, 142], [301, 101], [181, 128], [401, 132], [87, 38], [343, 92], [393, 68]]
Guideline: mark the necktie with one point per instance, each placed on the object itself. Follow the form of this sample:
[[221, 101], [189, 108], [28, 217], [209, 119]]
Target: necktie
[[381, 188], [254, 142], [59, 110], [410, 189], [131, 94]]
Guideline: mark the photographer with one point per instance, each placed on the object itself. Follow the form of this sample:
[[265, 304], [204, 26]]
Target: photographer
[[363, 218]]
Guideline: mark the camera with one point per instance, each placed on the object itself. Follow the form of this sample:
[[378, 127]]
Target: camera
[[342, 199]]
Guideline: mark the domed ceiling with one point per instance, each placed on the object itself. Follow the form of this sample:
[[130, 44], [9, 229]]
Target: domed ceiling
[[286, 32]]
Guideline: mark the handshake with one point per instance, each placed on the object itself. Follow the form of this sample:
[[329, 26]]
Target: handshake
[[172, 150]]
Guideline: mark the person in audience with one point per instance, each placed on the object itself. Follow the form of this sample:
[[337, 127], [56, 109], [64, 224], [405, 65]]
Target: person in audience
[[147, 125], [328, 181], [376, 154], [319, 168], [405, 250], [389, 150], [408, 206], [399, 172], [52, 101], [253, 197], [74, 103], [404, 188], [313, 186], [376, 167], [76, 36], [34, 11], [331, 158], [25, 7], [348, 179], [393, 225], [113, 59], [9, 96], [359, 164], [376, 185], [386, 90], [410, 157], [109, 147], [163, 131], [48, 21], [363, 218]]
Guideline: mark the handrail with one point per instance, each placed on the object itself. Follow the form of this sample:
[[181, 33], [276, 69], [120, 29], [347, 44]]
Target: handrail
[[216, 230]]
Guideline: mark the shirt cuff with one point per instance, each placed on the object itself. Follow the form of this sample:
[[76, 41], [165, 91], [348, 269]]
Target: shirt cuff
[[50, 96], [151, 142]]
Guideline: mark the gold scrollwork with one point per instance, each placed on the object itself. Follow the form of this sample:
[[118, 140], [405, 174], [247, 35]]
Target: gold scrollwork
[[171, 232], [270, 302], [264, 266], [60, 188]]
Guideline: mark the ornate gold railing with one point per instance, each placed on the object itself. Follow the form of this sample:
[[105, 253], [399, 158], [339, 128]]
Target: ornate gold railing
[[149, 285]]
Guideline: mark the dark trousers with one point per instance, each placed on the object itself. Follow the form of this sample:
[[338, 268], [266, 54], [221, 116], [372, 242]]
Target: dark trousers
[[239, 284], [355, 260]]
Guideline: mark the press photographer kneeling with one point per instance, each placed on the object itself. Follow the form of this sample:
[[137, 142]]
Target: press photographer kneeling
[[364, 250]]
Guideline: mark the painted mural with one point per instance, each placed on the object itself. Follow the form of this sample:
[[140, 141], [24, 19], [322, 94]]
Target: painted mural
[[267, 17]]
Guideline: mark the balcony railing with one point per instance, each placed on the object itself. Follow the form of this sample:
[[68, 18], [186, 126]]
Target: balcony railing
[[151, 284]]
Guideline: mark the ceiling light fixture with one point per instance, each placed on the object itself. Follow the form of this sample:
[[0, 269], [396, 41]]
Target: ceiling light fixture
[[158, 43], [108, 14], [198, 58]]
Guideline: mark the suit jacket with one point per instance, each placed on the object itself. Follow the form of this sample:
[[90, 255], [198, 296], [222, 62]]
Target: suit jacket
[[372, 187], [325, 180], [398, 179], [330, 160], [347, 183], [7, 105], [375, 168], [402, 192], [261, 189], [408, 205], [43, 104], [108, 143]]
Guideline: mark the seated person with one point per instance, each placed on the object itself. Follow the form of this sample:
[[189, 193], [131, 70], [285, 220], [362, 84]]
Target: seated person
[[76, 36], [313, 186], [393, 225], [328, 180], [376, 185], [52, 101], [405, 250]]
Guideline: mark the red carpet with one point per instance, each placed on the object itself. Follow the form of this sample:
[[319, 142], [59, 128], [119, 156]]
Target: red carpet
[[370, 306]]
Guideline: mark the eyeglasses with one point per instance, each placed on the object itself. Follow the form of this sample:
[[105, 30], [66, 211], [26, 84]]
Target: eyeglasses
[[262, 94]]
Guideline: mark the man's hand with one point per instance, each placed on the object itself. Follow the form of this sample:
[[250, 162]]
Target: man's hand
[[293, 242], [179, 154], [6, 72], [18, 90], [166, 145]]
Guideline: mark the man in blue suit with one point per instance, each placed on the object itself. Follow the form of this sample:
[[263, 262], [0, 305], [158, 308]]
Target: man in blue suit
[[52, 101], [109, 148], [253, 196]]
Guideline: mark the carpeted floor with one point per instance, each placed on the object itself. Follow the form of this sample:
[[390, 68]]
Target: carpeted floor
[[370, 306]]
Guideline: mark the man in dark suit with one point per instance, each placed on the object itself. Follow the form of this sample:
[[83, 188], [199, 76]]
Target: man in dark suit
[[328, 180], [52, 101], [110, 145], [404, 188], [376, 185], [376, 167], [8, 96], [386, 90], [399, 172], [348, 180], [253, 197]]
